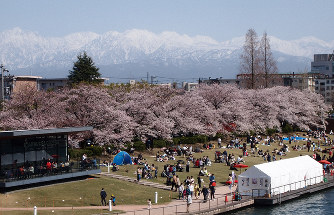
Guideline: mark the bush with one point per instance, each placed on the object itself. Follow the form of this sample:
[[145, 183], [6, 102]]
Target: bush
[[96, 150], [139, 146], [190, 140], [287, 128], [92, 151], [270, 131], [77, 153], [161, 143]]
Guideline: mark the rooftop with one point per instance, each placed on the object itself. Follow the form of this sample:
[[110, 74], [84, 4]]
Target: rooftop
[[17, 133]]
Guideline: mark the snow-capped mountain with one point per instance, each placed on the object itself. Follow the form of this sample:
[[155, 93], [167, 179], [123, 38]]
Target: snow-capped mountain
[[133, 53]]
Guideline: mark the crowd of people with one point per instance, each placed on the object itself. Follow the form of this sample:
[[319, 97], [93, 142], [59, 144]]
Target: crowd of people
[[185, 158]]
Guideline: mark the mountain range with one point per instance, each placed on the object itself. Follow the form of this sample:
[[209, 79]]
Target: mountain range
[[138, 54]]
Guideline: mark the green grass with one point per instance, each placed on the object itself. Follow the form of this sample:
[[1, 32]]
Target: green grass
[[83, 193]]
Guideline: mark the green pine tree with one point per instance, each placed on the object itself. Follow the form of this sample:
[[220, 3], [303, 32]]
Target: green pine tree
[[85, 71]]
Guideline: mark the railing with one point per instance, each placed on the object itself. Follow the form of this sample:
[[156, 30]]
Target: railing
[[195, 207], [289, 187], [41, 170], [296, 185]]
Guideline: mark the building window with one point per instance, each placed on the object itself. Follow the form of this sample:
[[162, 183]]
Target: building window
[[327, 88], [327, 82], [316, 88], [316, 82]]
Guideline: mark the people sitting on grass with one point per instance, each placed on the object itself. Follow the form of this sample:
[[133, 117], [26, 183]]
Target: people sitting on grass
[[115, 167], [232, 167], [240, 159]]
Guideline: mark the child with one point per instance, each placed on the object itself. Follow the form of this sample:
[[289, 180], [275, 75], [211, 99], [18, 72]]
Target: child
[[113, 199], [149, 204]]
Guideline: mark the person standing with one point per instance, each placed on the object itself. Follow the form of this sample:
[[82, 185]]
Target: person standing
[[187, 166], [192, 188], [219, 142], [205, 192], [174, 182], [196, 191], [178, 182], [103, 195], [181, 189], [149, 204], [189, 198], [212, 191], [199, 181], [139, 172]]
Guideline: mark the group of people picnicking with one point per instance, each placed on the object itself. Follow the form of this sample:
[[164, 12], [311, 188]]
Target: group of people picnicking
[[188, 188]]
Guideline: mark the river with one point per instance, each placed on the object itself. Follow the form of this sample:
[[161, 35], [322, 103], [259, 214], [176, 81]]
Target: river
[[320, 203]]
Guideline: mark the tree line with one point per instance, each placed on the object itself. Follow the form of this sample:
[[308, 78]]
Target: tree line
[[122, 113]]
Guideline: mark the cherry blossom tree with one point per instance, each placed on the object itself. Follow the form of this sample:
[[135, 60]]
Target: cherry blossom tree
[[118, 114]]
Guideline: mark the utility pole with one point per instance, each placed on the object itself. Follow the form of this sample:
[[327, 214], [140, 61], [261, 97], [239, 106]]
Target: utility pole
[[2, 83], [3, 70]]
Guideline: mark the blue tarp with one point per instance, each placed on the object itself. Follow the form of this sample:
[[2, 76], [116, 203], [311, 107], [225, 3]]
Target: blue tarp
[[122, 158], [294, 138]]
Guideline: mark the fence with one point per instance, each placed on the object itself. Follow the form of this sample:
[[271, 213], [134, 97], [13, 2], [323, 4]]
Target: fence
[[292, 186], [196, 206]]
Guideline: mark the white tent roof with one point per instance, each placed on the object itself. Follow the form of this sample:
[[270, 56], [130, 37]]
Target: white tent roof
[[281, 173], [278, 168]]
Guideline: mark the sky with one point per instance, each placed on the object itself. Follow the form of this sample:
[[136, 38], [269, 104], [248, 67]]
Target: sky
[[220, 19]]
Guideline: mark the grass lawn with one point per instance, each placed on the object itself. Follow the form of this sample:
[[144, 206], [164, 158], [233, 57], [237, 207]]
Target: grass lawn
[[82, 193]]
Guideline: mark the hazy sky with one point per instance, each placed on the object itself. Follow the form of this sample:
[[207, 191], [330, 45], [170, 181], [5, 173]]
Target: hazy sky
[[219, 19]]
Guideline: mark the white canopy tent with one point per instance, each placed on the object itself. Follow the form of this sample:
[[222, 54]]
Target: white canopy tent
[[280, 176]]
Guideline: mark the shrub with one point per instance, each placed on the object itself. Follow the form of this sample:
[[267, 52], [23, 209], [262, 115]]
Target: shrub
[[287, 128], [92, 151], [161, 143], [190, 140], [139, 146], [270, 131]]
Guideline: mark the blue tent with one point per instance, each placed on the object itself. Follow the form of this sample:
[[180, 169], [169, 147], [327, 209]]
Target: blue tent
[[294, 138], [122, 158]]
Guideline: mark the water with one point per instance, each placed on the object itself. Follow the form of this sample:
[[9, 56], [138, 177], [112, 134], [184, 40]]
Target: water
[[317, 203]]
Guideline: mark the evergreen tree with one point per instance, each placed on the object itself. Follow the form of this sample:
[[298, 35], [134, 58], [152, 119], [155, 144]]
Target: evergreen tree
[[84, 70]]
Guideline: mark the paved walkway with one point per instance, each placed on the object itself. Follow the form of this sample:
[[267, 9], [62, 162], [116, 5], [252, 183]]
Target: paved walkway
[[142, 182]]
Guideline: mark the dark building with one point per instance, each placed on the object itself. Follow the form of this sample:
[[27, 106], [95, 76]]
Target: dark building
[[26, 154], [323, 64]]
